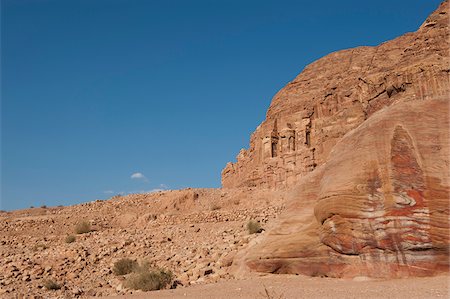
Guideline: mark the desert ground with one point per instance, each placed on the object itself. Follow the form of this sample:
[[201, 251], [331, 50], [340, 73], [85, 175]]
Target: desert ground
[[195, 233], [291, 286]]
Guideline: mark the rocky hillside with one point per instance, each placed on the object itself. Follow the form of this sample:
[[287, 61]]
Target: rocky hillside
[[335, 95], [195, 233], [363, 135]]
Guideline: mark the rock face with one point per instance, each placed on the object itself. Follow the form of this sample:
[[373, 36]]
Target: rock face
[[363, 134], [378, 207], [335, 95]]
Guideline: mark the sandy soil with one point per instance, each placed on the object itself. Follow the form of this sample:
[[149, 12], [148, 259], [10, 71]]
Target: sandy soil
[[290, 286]]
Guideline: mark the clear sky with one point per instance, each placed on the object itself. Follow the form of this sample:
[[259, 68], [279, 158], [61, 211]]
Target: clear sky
[[101, 97]]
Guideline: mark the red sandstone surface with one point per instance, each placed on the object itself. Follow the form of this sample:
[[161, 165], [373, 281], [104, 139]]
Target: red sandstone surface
[[361, 138]]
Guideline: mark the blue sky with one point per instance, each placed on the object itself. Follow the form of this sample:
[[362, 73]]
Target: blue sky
[[94, 91]]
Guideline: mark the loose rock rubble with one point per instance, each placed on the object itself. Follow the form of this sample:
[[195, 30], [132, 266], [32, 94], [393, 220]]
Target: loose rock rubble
[[195, 233]]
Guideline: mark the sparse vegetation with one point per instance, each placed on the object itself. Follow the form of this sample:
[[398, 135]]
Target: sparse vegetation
[[83, 227], [152, 217], [215, 206], [39, 246], [125, 266], [50, 284], [253, 227], [149, 280], [43, 207], [70, 239], [266, 294]]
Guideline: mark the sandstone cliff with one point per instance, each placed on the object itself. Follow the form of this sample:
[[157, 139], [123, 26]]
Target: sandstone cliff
[[378, 207], [334, 95], [363, 135]]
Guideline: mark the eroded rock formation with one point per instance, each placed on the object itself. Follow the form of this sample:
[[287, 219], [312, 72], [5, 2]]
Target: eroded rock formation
[[334, 95], [379, 206], [363, 135]]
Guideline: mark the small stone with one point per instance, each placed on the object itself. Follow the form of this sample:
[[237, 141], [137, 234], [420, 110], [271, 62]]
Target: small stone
[[77, 291]]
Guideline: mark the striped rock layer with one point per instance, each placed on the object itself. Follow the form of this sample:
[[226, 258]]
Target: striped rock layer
[[361, 138]]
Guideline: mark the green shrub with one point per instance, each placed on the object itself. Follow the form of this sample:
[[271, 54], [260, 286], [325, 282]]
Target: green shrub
[[149, 280], [124, 266], [70, 239], [253, 227], [83, 227], [50, 284]]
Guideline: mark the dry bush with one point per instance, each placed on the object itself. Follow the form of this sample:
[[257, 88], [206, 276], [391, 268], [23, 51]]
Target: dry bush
[[70, 239], [124, 266], [215, 206], [50, 284], [253, 227], [39, 247], [266, 294], [149, 280], [83, 227]]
